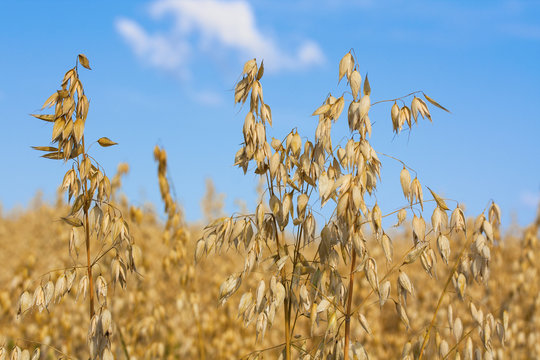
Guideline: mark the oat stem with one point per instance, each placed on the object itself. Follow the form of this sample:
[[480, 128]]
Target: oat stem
[[122, 341], [287, 309], [87, 239], [349, 301], [455, 347], [399, 98], [89, 264], [286, 306], [64, 355], [202, 355], [439, 302]]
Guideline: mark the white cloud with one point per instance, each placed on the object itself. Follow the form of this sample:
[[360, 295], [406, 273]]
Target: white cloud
[[530, 199], [158, 50], [227, 25]]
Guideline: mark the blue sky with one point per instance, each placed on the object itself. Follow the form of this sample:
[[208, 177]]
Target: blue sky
[[164, 70]]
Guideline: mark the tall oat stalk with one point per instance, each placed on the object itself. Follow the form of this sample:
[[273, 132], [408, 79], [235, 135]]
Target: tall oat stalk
[[305, 271], [93, 219]]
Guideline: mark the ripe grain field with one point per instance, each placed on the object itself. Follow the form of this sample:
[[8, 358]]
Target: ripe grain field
[[311, 272]]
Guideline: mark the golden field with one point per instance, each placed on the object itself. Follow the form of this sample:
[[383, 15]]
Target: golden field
[[161, 316]]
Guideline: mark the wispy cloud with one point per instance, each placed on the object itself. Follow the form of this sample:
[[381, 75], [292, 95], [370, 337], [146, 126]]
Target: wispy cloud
[[158, 50], [530, 199], [201, 26]]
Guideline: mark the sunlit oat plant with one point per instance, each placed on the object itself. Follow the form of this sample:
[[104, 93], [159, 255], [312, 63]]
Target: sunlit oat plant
[[316, 275], [176, 264], [176, 234], [97, 227]]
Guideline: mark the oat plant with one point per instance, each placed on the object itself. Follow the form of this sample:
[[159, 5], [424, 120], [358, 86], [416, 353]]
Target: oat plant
[[96, 225], [311, 273], [176, 234]]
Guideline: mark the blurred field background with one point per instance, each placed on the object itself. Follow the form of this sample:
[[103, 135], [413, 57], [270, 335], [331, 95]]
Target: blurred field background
[[171, 313]]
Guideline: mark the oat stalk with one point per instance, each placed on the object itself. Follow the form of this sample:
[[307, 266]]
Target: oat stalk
[[441, 296], [89, 192], [349, 302], [87, 237]]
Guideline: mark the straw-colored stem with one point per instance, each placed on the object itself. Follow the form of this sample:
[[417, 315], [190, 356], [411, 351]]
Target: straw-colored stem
[[87, 240], [287, 329], [89, 264], [349, 302], [123, 342], [441, 297], [202, 354]]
